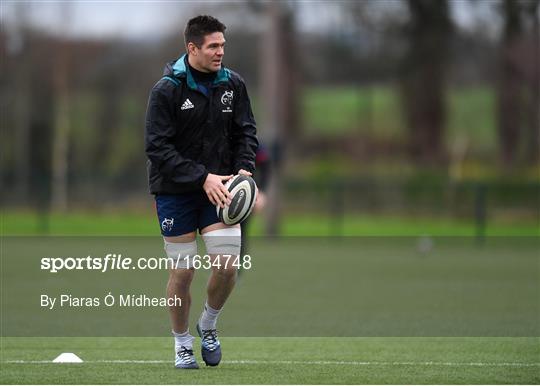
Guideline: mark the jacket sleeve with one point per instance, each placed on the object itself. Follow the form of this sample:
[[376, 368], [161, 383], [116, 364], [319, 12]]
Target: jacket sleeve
[[159, 143], [244, 135]]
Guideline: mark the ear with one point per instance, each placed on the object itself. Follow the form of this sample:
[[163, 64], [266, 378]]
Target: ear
[[192, 49]]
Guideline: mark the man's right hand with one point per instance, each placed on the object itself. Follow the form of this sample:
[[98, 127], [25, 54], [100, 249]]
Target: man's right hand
[[215, 190]]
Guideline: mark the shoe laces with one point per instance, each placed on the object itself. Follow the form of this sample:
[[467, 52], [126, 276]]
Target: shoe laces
[[210, 339], [185, 354]]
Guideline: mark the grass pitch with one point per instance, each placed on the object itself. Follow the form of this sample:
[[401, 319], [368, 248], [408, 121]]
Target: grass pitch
[[342, 286], [278, 361]]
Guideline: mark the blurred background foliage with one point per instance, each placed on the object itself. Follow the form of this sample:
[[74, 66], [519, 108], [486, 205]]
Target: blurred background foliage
[[373, 110]]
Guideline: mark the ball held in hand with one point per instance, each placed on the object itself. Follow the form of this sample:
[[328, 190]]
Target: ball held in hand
[[243, 192]]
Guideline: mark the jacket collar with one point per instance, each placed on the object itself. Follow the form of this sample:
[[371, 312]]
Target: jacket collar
[[181, 69]]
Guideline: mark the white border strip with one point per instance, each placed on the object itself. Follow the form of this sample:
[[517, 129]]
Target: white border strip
[[346, 363]]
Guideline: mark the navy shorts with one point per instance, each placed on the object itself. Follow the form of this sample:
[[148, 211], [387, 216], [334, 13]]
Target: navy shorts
[[179, 214]]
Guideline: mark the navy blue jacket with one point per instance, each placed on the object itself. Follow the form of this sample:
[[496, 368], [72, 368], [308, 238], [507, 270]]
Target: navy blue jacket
[[189, 134]]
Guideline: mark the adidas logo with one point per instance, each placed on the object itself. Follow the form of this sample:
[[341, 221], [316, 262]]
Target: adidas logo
[[187, 105]]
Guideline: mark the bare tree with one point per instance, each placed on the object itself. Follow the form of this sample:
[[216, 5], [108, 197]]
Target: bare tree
[[424, 77], [509, 84], [60, 144], [518, 89], [19, 52], [278, 86], [533, 151]]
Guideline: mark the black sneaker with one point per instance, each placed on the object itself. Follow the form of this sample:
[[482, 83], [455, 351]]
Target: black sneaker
[[210, 346]]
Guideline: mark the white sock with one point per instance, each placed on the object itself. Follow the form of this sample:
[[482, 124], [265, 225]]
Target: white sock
[[208, 317], [183, 339]]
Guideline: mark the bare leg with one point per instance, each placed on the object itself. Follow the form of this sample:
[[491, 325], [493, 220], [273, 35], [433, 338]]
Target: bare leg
[[220, 285], [222, 280], [179, 285]]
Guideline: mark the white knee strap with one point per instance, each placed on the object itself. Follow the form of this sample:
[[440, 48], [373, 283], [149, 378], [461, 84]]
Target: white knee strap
[[180, 254], [224, 241]]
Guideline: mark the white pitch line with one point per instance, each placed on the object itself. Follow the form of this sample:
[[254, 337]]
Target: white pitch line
[[347, 363]]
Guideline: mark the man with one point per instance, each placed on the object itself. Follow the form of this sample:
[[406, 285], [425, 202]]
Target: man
[[200, 131]]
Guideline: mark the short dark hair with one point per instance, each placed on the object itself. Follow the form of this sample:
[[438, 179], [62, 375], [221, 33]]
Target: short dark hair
[[200, 26]]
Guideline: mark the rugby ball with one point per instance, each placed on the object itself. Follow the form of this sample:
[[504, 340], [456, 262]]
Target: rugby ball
[[243, 196]]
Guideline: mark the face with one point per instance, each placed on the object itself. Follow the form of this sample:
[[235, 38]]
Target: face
[[208, 57]]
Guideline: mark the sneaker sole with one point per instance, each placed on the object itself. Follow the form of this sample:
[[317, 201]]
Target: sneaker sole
[[186, 368]]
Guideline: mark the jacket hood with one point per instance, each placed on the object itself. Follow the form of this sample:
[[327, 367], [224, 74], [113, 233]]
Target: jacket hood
[[180, 69]]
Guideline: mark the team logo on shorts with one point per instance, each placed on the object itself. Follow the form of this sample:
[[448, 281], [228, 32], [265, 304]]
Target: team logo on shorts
[[226, 100], [167, 224]]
